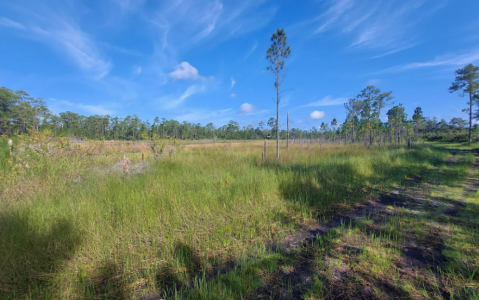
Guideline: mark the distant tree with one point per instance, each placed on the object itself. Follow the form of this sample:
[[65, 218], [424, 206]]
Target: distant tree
[[272, 124], [353, 109], [467, 81], [458, 122], [7, 100], [232, 128], [276, 55], [418, 120], [372, 103], [368, 97], [334, 123], [40, 111], [396, 117]]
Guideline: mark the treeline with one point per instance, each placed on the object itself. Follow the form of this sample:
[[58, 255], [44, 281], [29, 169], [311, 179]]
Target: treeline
[[20, 113]]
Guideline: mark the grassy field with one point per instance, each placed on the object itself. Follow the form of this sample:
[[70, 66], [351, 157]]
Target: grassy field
[[458, 146], [203, 221]]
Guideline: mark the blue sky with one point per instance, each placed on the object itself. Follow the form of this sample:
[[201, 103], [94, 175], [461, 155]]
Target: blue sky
[[204, 61]]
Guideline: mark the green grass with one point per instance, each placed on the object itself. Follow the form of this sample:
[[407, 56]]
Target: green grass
[[71, 230], [460, 146]]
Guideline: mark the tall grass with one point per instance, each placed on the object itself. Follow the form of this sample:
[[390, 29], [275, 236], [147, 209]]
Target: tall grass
[[70, 229]]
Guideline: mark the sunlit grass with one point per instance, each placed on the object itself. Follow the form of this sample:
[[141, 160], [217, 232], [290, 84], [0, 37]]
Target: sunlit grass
[[73, 227]]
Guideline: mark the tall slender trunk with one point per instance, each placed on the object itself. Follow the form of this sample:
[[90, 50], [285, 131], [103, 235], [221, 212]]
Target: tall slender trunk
[[370, 134], [470, 117], [287, 131], [354, 135], [277, 117]]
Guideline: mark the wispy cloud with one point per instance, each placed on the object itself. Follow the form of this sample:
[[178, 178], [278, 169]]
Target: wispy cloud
[[178, 26], [379, 25], [233, 82], [122, 50], [393, 51], [10, 23], [326, 101], [170, 102], [443, 60], [233, 95], [77, 45], [253, 48], [128, 5], [336, 10], [60, 30]]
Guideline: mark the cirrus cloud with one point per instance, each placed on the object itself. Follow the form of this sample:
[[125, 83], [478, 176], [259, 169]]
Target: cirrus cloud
[[326, 101]]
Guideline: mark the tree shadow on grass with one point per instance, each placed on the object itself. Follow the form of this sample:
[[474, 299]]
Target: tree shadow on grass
[[30, 258], [107, 283], [188, 277], [326, 184]]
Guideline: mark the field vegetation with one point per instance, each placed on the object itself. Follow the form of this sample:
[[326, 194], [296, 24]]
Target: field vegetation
[[210, 221]]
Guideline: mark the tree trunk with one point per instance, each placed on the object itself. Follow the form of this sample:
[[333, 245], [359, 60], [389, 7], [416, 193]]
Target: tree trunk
[[277, 118], [265, 153], [353, 132], [470, 117], [370, 134], [287, 129]]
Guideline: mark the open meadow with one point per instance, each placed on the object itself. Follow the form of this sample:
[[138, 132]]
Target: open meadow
[[216, 221], [223, 150]]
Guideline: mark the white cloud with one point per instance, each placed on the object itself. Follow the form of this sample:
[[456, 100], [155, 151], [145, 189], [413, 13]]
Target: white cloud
[[233, 82], [180, 26], [233, 95], [316, 115], [186, 71], [10, 23], [326, 101], [246, 108], [170, 102]]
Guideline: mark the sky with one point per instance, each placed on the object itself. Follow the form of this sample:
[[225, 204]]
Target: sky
[[205, 61]]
